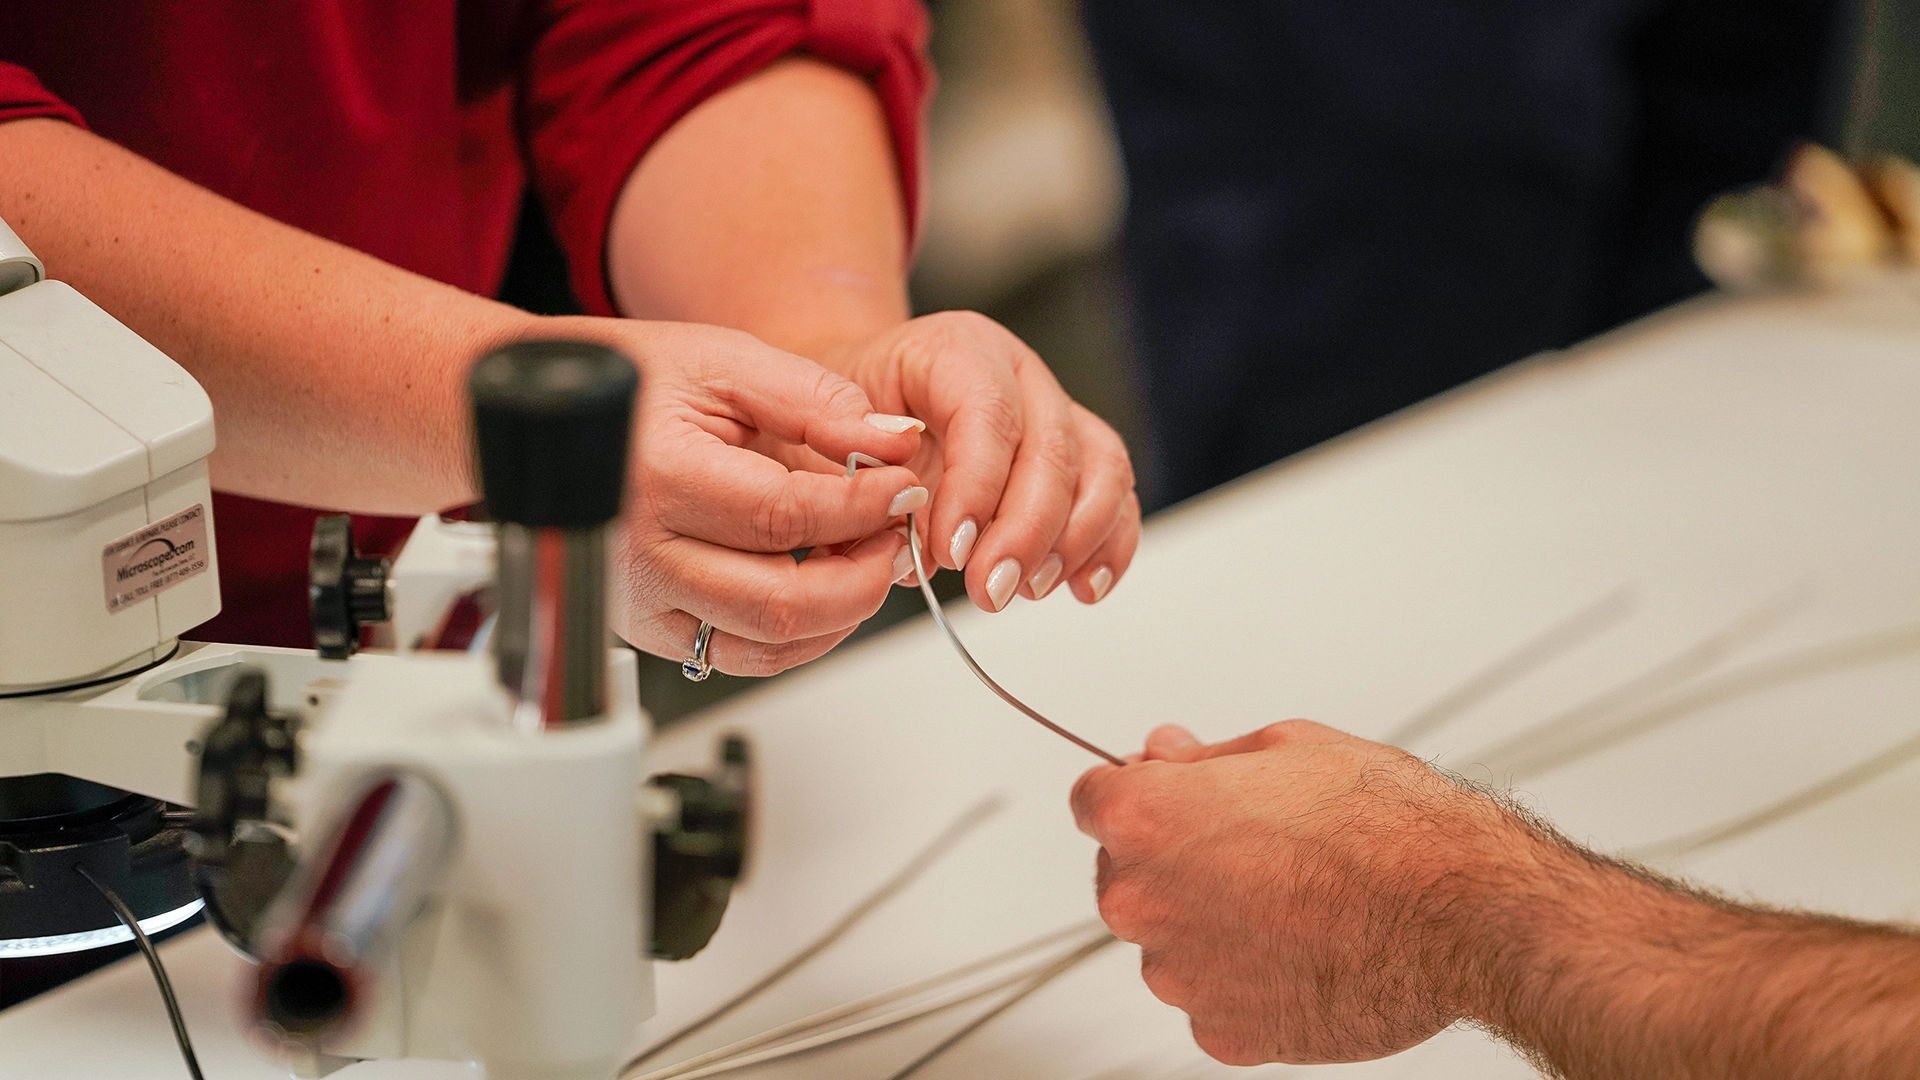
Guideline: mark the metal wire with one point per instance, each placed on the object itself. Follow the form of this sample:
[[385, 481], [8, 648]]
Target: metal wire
[[940, 617], [1051, 972], [948, 991], [857, 459], [126, 916], [1799, 802], [1534, 653], [949, 838], [1516, 754]]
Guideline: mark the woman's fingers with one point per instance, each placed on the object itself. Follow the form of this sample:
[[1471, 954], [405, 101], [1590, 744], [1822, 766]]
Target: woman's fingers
[[673, 633], [1028, 486], [957, 370], [773, 599], [1015, 552], [801, 402], [702, 488], [1096, 577], [1100, 504]]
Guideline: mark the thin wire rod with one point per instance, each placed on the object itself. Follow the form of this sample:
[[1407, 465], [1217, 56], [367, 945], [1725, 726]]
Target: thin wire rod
[[857, 459], [1563, 636], [126, 916], [937, 848], [1784, 670], [1059, 968], [736, 1057], [905, 992], [1806, 799], [1696, 659], [940, 617]]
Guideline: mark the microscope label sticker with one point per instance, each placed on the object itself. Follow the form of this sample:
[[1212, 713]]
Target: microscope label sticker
[[141, 565]]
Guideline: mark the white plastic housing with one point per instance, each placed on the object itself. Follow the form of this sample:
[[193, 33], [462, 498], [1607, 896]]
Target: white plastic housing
[[534, 963], [101, 435], [442, 561]]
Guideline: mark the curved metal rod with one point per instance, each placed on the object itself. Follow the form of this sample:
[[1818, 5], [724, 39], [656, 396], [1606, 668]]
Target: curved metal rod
[[940, 617], [857, 459]]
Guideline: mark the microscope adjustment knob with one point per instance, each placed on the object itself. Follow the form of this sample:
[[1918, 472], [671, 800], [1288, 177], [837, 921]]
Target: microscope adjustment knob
[[552, 420], [700, 852], [240, 860], [344, 591]]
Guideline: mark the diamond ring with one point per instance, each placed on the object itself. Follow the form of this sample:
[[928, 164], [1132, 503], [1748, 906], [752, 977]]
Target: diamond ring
[[695, 667]]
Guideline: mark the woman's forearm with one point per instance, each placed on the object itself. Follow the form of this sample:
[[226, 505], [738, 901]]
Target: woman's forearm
[[336, 377], [774, 207]]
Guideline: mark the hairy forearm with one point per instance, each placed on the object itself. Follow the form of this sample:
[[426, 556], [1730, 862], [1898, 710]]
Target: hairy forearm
[[774, 207], [336, 378], [1607, 973]]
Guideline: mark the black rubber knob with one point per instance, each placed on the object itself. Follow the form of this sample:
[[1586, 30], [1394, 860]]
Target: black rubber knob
[[552, 420], [344, 591]]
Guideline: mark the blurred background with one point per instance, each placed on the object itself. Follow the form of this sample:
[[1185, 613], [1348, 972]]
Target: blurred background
[[1237, 229]]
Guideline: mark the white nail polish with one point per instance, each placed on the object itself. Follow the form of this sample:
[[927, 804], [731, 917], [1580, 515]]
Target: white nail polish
[[1045, 576], [903, 562], [894, 425], [962, 545], [907, 501], [1001, 583], [1100, 581]]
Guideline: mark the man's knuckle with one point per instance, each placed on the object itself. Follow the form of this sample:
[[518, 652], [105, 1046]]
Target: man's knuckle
[[1225, 1045], [1163, 980], [1117, 821], [1122, 906], [1285, 732]]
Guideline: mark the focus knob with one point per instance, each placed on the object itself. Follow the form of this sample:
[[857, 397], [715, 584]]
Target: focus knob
[[344, 591], [551, 419]]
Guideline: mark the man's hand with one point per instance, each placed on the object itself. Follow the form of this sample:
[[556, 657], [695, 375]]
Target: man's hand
[[712, 512], [1290, 889], [1307, 896], [1030, 489]]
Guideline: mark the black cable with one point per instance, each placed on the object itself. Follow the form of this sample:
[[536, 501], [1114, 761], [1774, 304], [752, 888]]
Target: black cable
[[125, 914]]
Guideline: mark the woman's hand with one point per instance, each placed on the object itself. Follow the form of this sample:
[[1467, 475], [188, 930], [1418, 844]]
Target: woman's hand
[[1029, 488], [712, 511]]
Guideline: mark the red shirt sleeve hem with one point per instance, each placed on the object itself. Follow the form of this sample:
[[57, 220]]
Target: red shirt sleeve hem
[[22, 97], [592, 110]]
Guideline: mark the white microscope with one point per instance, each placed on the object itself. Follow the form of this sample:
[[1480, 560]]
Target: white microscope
[[446, 850]]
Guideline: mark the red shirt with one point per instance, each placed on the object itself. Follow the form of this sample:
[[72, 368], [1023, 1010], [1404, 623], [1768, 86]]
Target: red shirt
[[409, 130]]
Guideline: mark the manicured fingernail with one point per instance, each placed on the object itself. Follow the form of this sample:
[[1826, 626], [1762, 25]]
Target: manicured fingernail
[[962, 544], [1100, 581], [903, 562], [1043, 578], [907, 501], [1001, 583], [894, 425]]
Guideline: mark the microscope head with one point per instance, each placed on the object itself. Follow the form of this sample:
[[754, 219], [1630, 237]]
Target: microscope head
[[106, 557], [106, 532]]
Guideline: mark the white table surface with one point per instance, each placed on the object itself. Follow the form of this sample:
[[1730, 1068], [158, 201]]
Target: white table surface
[[1730, 483]]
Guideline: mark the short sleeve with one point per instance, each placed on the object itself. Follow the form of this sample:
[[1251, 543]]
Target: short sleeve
[[605, 78], [23, 98]]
